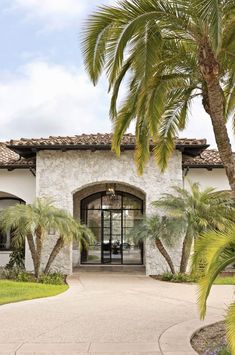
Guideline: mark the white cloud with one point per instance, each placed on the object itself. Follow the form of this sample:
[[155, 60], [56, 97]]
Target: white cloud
[[56, 14], [43, 99]]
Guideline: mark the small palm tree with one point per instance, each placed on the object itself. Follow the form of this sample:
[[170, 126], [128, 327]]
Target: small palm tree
[[33, 222], [165, 53], [159, 230], [196, 210], [214, 251]]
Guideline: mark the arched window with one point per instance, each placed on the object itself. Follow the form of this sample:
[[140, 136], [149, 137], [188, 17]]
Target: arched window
[[111, 215]]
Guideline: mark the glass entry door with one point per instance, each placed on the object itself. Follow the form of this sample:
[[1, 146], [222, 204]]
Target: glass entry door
[[111, 237], [112, 220]]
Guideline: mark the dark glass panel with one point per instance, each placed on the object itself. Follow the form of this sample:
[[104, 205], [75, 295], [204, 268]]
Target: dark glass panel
[[131, 202], [111, 202], [131, 217], [93, 218], [3, 241], [93, 254], [132, 250]]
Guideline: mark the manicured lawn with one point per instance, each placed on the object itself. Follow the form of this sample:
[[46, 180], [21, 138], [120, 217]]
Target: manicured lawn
[[11, 291], [226, 280]]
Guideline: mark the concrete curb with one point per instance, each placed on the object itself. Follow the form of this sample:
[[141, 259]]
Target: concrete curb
[[176, 340]]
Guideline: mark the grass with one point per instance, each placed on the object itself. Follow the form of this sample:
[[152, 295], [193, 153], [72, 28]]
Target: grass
[[12, 291], [225, 280]]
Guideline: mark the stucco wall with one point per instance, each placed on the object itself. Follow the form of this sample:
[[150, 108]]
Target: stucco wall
[[20, 183], [216, 178], [60, 175]]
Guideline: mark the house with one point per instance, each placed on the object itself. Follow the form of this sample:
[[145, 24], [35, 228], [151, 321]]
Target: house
[[84, 177]]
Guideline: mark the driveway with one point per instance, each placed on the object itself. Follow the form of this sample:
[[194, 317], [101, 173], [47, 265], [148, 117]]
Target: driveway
[[109, 313]]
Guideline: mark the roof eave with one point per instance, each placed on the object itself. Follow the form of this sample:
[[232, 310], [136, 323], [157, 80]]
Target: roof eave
[[29, 151], [203, 166]]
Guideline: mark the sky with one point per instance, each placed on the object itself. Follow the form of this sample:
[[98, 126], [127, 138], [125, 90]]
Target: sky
[[44, 89]]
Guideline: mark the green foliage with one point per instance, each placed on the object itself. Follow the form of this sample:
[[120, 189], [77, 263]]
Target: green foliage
[[157, 227], [10, 273], [55, 278], [177, 278], [167, 276], [20, 275], [160, 230], [195, 211], [17, 258], [152, 49], [34, 223], [25, 277], [217, 249]]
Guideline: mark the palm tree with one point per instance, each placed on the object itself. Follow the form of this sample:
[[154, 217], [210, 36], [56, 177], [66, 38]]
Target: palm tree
[[158, 229], [215, 251], [34, 222], [166, 53], [196, 210]]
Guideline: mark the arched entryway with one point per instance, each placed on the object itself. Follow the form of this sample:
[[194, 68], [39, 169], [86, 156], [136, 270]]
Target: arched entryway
[[111, 212]]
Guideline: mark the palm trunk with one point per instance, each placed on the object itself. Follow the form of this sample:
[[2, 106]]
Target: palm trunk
[[55, 251], [215, 101], [165, 254], [38, 233], [33, 252], [186, 251]]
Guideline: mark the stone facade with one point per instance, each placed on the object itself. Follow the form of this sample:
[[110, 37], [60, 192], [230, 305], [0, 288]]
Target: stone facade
[[64, 176]]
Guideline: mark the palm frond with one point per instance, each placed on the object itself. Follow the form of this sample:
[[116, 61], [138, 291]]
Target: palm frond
[[230, 324]]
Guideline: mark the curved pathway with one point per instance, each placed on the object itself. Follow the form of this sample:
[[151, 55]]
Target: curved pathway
[[109, 313]]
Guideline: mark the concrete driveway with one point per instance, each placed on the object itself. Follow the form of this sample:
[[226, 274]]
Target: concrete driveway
[[109, 313]]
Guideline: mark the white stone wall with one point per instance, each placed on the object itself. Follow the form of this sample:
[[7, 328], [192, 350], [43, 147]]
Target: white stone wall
[[61, 174]]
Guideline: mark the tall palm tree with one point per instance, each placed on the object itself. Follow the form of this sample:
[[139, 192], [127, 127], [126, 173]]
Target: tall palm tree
[[166, 53], [215, 251], [196, 210], [161, 231], [34, 222]]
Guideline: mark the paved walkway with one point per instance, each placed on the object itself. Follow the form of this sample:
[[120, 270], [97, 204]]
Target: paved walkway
[[109, 313]]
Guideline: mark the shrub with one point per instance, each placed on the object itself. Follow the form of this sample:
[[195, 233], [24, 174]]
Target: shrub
[[218, 351], [17, 258], [10, 274], [52, 279], [178, 278], [25, 277], [167, 276]]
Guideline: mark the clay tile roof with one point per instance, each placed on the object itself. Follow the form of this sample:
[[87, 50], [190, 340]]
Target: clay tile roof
[[208, 158], [99, 139], [11, 160]]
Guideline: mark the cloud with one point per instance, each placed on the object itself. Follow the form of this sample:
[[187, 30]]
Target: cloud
[[56, 14], [44, 99]]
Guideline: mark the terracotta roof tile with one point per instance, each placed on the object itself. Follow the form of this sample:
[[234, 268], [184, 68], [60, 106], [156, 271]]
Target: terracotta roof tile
[[98, 139], [9, 159], [208, 158]]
